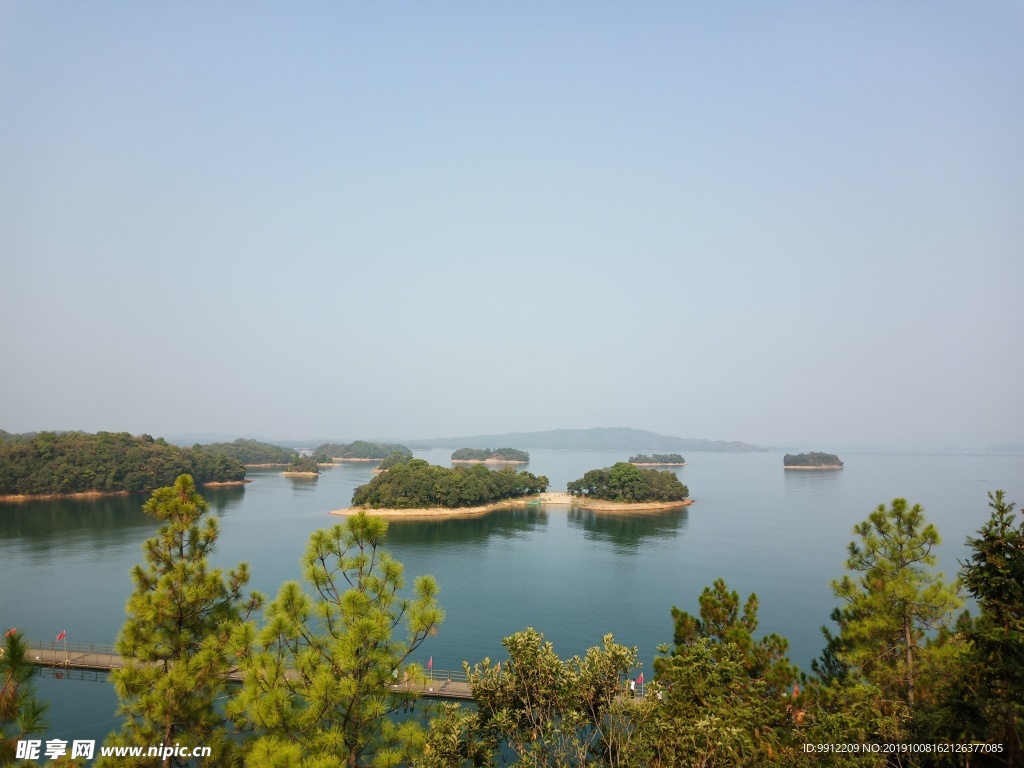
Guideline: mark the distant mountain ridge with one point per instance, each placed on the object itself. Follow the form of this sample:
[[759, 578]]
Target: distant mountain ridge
[[597, 438]]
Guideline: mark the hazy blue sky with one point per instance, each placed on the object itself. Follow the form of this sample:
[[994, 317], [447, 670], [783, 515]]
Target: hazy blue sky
[[782, 223]]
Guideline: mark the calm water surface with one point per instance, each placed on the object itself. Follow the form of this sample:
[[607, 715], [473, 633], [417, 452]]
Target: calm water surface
[[572, 574]]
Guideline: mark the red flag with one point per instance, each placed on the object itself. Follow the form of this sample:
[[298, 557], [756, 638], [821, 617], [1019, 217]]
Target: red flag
[[62, 635], [640, 680], [430, 664]]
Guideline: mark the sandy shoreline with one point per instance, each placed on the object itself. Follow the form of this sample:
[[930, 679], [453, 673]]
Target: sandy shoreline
[[826, 466], [551, 498], [301, 474], [17, 497]]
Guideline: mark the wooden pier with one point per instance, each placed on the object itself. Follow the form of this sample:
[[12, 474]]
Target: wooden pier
[[439, 684]]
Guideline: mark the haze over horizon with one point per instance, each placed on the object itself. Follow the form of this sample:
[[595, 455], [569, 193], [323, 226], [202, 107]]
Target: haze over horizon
[[786, 224]]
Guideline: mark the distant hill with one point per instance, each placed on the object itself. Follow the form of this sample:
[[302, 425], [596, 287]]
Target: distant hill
[[1006, 448], [598, 438]]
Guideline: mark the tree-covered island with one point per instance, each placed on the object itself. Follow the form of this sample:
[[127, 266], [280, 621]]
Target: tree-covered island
[[106, 462], [417, 485], [628, 484], [252, 453], [811, 460], [360, 450], [657, 460], [304, 466], [490, 455]]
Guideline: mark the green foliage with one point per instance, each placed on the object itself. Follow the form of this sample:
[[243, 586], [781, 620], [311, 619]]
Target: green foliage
[[251, 452], [547, 711], [893, 600], [318, 675], [658, 458], [21, 713], [721, 622], [811, 460], [303, 464], [75, 462], [625, 482], [360, 449], [174, 641], [418, 484], [393, 459], [993, 679], [495, 454], [713, 712]]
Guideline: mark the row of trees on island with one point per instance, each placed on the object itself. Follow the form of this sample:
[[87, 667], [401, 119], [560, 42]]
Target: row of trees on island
[[672, 459], [812, 459], [358, 450], [77, 462], [899, 683], [252, 452], [304, 464], [417, 484], [511, 455], [628, 483]]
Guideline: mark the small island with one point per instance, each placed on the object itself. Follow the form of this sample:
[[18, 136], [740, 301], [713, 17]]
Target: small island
[[811, 461], [360, 450], [416, 488], [625, 486], [490, 456], [302, 466], [657, 460]]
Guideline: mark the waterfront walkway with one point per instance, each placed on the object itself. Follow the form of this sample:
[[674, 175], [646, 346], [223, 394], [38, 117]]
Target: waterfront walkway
[[439, 684]]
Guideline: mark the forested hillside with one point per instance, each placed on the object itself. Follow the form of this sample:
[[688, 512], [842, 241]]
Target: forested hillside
[[74, 462], [360, 449], [251, 452]]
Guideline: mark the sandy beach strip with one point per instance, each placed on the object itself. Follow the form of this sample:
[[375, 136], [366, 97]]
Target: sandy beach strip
[[550, 498]]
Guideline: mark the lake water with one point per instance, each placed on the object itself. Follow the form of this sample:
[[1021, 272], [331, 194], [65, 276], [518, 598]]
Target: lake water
[[572, 574]]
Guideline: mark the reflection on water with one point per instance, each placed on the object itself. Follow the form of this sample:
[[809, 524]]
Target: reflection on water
[[501, 523], [224, 497], [812, 481], [627, 531], [302, 484], [43, 525]]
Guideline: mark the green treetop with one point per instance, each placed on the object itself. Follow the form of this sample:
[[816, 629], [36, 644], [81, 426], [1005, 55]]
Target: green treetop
[[994, 575], [893, 598], [626, 482], [317, 677], [174, 641]]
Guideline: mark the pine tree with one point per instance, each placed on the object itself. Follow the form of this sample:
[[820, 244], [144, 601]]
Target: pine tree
[[318, 677], [721, 621], [994, 576], [21, 713], [174, 641], [894, 599]]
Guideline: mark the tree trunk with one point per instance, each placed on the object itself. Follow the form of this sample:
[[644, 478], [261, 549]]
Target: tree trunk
[[908, 639]]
